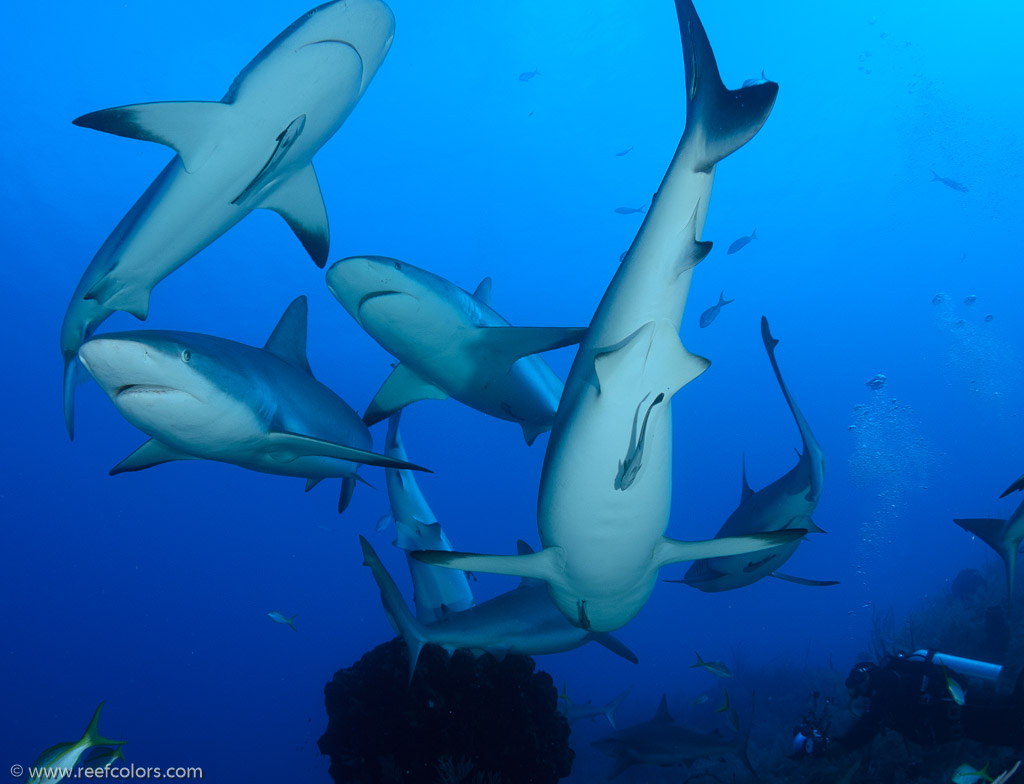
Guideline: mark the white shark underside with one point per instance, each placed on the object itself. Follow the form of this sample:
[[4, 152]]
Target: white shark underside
[[436, 592], [522, 621], [204, 397], [450, 343], [252, 149], [605, 492], [788, 502]]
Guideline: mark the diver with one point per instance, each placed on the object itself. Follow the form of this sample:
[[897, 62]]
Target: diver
[[922, 697]]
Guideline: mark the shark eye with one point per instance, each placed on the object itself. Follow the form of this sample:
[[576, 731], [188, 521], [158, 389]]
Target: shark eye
[[186, 356], [398, 265]]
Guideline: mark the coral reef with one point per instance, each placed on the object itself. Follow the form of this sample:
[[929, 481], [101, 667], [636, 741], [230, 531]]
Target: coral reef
[[462, 720]]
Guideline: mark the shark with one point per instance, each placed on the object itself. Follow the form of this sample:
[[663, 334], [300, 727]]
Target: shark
[[436, 592], [582, 711], [786, 503], [450, 343], [662, 741], [606, 482], [253, 149], [208, 398], [1003, 536], [522, 621], [1018, 485]]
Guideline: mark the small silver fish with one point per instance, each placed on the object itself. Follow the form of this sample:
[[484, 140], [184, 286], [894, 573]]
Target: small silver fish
[[741, 243], [761, 80], [631, 210], [526, 76], [711, 313], [715, 668], [276, 617]]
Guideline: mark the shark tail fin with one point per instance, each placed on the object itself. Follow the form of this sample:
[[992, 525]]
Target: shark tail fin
[[935, 177], [614, 705], [991, 532], [753, 235], [72, 378], [402, 621], [728, 119]]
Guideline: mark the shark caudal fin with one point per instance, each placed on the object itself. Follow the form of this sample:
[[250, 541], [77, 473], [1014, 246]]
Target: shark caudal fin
[[726, 119], [614, 705], [401, 619], [993, 533], [744, 739]]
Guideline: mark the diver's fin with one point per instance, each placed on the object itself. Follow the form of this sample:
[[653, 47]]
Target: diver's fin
[[402, 387], [483, 291], [286, 447], [299, 201], [803, 580], [725, 119], [288, 340], [404, 622], [148, 455], [348, 486], [616, 647], [545, 565], [187, 127], [671, 551]]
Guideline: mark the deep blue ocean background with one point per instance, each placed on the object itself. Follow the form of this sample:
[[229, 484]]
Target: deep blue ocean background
[[150, 590]]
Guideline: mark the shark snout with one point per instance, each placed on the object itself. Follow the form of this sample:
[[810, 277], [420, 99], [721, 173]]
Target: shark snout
[[117, 364]]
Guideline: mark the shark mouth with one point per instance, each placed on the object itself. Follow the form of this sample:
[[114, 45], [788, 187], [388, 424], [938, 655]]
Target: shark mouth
[[146, 389], [374, 295]]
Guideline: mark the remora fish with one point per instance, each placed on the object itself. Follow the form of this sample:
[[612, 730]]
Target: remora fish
[[786, 503], [1003, 536], [252, 149], [67, 755], [604, 545], [711, 313], [435, 591], [522, 621], [203, 397], [450, 343], [580, 711], [664, 742]]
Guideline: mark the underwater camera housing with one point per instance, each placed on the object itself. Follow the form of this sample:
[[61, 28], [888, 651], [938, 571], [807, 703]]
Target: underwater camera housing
[[810, 738]]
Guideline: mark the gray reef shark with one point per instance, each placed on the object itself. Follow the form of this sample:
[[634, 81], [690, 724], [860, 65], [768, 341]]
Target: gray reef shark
[[606, 485], [582, 711], [450, 343], [203, 397], [523, 621], [252, 149], [435, 591], [1003, 536], [786, 503], [664, 742]]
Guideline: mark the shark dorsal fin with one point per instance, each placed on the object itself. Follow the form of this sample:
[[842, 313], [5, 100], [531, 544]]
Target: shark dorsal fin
[[662, 713], [746, 492], [483, 291], [288, 340]]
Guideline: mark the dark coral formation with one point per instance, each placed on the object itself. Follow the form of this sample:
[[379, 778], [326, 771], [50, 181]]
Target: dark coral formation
[[461, 719]]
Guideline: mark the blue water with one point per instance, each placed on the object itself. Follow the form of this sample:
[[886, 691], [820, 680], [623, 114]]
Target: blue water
[[150, 590]]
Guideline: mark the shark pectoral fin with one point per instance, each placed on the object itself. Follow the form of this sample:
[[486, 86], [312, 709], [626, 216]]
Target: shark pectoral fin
[[1018, 485], [148, 455], [803, 580], [483, 291], [413, 632], [288, 340], [616, 647], [402, 387], [299, 201], [609, 362], [501, 347], [806, 522], [286, 447], [622, 762], [671, 551], [498, 653], [111, 293], [545, 565], [988, 529], [187, 127], [348, 487]]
